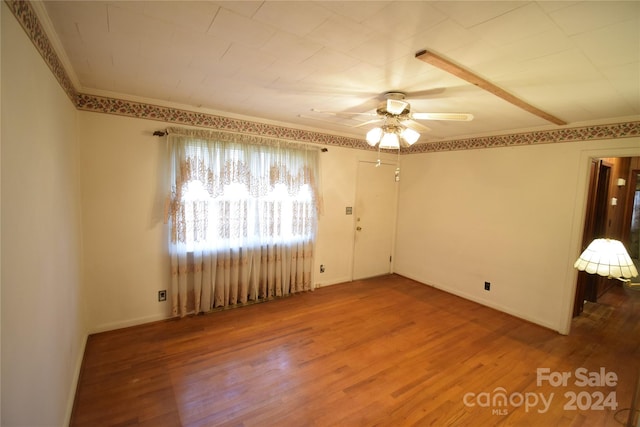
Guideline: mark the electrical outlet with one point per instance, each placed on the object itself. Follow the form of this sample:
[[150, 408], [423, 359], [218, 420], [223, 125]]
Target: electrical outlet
[[321, 268], [487, 286], [162, 295]]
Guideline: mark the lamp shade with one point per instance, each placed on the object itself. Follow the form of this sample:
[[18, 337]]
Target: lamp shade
[[410, 135], [607, 257], [390, 140], [373, 136]]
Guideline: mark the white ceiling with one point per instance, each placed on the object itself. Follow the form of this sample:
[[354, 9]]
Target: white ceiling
[[278, 60]]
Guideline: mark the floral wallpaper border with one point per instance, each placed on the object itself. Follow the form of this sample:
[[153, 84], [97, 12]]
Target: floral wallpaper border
[[191, 118], [585, 133], [26, 16]]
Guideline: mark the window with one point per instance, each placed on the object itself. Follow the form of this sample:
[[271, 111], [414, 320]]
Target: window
[[233, 197], [236, 218], [246, 213]]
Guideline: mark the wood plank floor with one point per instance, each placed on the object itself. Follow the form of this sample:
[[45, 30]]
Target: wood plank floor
[[380, 352]]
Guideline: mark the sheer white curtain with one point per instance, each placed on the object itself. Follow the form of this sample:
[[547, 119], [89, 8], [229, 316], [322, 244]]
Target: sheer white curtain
[[243, 215]]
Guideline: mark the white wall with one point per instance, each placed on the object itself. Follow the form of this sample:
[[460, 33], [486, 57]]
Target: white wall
[[43, 332], [510, 216], [125, 255], [125, 241], [334, 250]]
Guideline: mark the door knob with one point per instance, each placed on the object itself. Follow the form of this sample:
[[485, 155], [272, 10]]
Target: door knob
[[358, 228]]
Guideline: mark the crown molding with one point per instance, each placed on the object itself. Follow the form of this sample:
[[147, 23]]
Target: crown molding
[[26, 15], [141, 110], [629, 129]]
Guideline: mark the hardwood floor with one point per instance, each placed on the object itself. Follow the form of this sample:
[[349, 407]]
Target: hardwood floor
[[380, 352]]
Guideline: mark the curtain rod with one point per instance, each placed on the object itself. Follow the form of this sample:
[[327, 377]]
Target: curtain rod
[[213, 133]]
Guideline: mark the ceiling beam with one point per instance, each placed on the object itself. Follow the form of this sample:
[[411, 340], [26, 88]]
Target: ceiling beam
[[448, 66]]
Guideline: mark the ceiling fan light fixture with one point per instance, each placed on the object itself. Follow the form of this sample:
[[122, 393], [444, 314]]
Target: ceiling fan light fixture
[[389, 136], [410, 136], [373, 136], [390, 140], [396, 106]]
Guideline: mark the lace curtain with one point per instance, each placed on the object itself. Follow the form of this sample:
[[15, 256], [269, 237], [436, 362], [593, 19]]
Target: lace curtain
[[242, 214]]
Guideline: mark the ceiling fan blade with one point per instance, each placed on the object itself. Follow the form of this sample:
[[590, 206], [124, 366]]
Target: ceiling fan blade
[[458, 71], [368, 122], [415, 125], [425, 93], [460, 117], [342, 113]]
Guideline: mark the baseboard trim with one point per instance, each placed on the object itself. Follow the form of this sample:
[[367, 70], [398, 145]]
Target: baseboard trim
[[71, 399], [105, 327], [486, 303], [337, 281]]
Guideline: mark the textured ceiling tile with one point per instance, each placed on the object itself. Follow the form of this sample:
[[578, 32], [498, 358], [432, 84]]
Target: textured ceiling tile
[[359, 11], [195, 16], [401, 20], [132, 23], [191, 78], [339, 33], [330, 61], [199, 45], [299, 18], [239, 57], [471, 13], [591, 15], [613, 45], [542, 44], [290, 48], [380, 50], [517, 24], [364, 73], [245, 7], [556, 68], [478, 56], [289, 74], [234, 27], [443, 37]]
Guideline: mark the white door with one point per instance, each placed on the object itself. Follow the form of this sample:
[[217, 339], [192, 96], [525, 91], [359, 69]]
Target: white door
[[375, 215]]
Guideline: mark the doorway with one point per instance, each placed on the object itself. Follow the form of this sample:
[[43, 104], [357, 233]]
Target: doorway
[[375, 218], [594, 226], [613, 211], [633, 219]]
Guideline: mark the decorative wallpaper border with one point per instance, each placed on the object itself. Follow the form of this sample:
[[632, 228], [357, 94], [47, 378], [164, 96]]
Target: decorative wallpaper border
[[26, 16], [28, 19], [184, 117], [585, 133]]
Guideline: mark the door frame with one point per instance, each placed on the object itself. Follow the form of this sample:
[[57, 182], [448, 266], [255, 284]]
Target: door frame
[[619, 148], [632, 182], [594, 227]]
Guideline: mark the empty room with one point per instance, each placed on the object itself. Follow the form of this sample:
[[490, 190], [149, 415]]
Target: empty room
[[320, 213]]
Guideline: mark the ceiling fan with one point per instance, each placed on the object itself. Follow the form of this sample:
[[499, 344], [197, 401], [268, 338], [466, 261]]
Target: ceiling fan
[[398, 121]]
